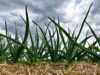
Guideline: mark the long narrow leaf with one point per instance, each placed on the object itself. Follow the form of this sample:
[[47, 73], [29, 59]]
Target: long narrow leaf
[[71, 39], [84, 21]]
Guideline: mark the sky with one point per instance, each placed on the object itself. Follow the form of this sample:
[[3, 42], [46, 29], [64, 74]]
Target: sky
[[70, 12]]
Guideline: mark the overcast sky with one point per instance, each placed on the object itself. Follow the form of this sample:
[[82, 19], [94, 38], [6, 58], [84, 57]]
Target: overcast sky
[[71, 13]]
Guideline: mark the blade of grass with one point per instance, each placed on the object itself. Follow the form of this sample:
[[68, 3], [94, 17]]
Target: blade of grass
[[84, 22], [9, 43], [25, 37], [47, 43], [14, 41], [69, 37], [98, 40]]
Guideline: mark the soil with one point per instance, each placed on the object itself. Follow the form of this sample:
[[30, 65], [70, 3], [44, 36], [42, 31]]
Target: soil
[[46, 68]]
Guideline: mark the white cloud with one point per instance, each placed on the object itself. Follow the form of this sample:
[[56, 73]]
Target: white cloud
[[74, 14], [2, 31], [1, 21], [23, 14], [94, 18]]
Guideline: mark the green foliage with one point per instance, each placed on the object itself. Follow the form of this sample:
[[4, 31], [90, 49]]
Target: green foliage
[[48, 45]]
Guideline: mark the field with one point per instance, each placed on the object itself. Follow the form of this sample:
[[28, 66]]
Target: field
[[48, 53], [45, 68]]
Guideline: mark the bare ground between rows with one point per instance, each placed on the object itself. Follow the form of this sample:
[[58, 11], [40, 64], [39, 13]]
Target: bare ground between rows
[[46, 68]]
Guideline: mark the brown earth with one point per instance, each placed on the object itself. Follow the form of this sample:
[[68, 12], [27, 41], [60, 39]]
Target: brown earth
[[44, 68]]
